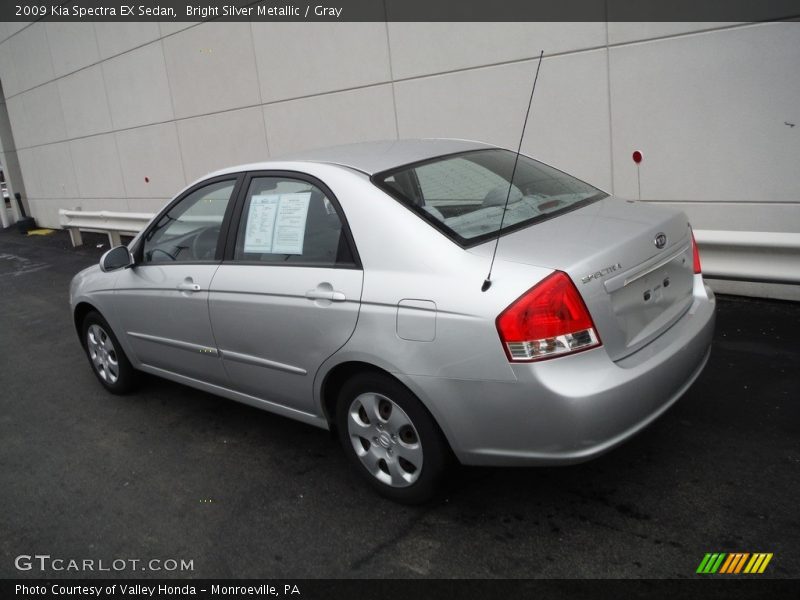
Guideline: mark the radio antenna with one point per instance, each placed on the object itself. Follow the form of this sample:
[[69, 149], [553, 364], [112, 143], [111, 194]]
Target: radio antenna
[[488, 281]]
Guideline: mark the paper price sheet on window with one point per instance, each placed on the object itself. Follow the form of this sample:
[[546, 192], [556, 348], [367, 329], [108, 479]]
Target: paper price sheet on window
[[276, 223]]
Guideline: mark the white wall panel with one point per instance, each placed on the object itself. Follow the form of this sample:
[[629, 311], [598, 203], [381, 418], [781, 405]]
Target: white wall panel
[[620, 32], [568, 127], [46, 210], [168, 28], [427, 48], [148, 205], [31, 55], [353, 116], [211, 68], [153, 153], [137, 86], [30, 172], [740, 216], [8, 70], [43, 116], [97, 167], [112, 204], [116, 37], [18, 120], [54, 172], [709, 114], [212, 142], [299, 59], [486, 104], [73, 46], [84, 102], [15, 26]]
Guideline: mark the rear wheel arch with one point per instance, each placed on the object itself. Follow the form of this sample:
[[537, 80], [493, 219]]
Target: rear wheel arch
[[388, 435], [335, 379], [341, 373]]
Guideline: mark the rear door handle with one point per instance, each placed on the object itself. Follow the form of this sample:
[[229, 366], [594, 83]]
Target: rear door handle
[[331, 295]]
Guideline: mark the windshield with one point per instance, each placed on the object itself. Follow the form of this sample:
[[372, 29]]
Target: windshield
[[464, 194]]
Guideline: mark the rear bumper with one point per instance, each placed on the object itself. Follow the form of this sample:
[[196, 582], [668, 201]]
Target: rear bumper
[[571, 409]]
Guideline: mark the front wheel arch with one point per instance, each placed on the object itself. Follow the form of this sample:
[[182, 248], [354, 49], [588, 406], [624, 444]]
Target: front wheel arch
[[79, 314]]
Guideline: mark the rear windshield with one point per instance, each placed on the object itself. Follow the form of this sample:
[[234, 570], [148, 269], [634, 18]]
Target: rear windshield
[[464, 194]]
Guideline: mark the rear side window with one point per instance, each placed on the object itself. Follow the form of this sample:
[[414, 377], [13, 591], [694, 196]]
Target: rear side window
[[291, 221], [464, 194]]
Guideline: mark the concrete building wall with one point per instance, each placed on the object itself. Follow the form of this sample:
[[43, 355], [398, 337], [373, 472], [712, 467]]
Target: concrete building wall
[[120, 116], [9, 164]]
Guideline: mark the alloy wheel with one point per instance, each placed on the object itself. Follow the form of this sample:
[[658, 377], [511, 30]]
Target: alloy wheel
[[103, 354], [385, 440]]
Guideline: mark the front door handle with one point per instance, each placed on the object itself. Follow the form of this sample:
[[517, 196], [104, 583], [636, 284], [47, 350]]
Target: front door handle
[[331, 295], [188, 285]]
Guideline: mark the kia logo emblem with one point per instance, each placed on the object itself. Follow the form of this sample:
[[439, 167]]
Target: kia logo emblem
[[660, 241]]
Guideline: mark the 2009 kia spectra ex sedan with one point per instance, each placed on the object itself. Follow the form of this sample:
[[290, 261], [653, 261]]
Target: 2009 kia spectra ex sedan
[[346, 289]]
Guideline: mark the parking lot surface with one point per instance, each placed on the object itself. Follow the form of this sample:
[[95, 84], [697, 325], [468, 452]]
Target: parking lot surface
[[172, 473]]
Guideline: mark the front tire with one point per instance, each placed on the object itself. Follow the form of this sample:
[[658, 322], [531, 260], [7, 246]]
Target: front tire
[[391, 439], [109, 363]]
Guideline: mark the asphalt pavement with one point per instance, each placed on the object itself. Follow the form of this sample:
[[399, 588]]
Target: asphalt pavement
[[172, 473]]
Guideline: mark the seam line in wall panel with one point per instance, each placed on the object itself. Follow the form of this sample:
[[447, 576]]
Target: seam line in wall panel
[[514, 61], [391, 73], [71, 158], [610, 115], [109, 57], [102, 60], [258, 83], [63, 119], [173, 120], [460, 69], [217, 112], [50, 56], [113, 132]]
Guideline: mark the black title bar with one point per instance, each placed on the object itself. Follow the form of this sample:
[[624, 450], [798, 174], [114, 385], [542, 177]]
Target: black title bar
[[708, 588], [402, 10]]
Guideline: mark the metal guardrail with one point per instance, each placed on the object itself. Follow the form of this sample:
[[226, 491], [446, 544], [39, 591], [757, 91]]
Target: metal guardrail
[[102, 221], [116, 223], [760, 256]]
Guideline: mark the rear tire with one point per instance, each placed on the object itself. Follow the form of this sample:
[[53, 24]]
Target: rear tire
[[391, 439], [109, 363]]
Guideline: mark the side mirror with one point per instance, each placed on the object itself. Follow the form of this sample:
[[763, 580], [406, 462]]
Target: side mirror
[[116, 258]]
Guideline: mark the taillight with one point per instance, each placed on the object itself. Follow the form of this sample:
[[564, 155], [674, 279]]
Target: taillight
[[695, 255], [549, 320]]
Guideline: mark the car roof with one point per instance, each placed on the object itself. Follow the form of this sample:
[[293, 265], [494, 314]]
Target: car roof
[[371, 157]]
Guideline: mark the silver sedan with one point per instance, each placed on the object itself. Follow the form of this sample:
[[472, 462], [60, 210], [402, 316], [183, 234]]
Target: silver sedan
[[415, 297]]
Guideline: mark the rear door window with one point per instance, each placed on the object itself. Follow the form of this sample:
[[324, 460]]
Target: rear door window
[[292, 222]]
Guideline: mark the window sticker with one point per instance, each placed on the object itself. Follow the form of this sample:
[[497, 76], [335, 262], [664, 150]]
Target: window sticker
[[261, 223], [276, 223], [290, 223]]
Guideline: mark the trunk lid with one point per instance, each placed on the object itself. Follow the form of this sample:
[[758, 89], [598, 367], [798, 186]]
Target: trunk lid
[[633, 289]]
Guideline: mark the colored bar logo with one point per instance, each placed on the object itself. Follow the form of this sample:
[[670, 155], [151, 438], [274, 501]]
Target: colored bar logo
[[734, 563]]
